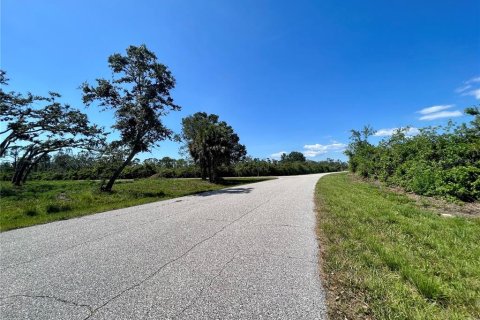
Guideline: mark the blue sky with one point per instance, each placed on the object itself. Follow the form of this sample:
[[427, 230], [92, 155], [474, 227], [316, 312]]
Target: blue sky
[[287, 75]]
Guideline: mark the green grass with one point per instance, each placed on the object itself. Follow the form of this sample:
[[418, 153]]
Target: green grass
[[45, 201], [384, 257]]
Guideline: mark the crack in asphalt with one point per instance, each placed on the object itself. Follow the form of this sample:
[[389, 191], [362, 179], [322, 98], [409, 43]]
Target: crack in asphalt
[[153, 274], [59, 251], [218, 220], [90, 310], [116, 231], [210, 283]]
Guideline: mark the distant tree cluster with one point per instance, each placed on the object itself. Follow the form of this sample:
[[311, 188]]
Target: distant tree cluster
[[46, 139], [258, 167], [293, 157], [66, 165], [441, 161]]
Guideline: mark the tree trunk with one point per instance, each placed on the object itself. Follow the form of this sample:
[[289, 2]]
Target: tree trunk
[[30, 167], [210, 175], [5, 143], [203, 170], [16, 173], [209, 170], [21, 166], [215, 175], [117, 172], [17, 177], [212, 172]]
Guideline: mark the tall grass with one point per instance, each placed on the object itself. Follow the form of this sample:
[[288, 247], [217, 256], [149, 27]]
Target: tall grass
[[386, 258]]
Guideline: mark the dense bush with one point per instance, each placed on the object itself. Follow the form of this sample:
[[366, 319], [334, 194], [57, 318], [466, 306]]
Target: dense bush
[[441, 161]]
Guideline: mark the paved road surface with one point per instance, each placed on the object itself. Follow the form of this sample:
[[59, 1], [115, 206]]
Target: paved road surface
[[246, 252]]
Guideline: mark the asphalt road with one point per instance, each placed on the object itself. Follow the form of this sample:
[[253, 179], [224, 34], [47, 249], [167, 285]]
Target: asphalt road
[[247, 252]]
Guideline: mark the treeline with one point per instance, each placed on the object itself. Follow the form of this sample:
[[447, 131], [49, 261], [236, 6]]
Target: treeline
[[39, 132], [439, 161], [84, 166]]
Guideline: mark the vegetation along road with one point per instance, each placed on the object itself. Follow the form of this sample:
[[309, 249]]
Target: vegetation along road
[[388, 255], [245, 252]]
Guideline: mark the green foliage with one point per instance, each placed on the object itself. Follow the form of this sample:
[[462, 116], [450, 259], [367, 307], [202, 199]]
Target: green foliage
[[257, 167], [140, 96], [31, 212], [84, 166], [57, 207], [293, 157], [38, 126], [211, 143], [384, 257], [441, 161]]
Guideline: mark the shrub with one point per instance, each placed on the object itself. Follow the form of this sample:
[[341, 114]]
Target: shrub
[[442, 161]]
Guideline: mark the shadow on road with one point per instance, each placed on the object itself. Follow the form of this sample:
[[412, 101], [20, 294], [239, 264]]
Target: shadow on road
[[225, 191]]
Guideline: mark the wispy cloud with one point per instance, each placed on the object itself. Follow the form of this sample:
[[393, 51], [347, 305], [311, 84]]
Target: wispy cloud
[[433, 109], [441, 115], [475, 93], [470, 88], [313, 150], [439, 112], [476, 79], [389, 132], [463, 88], [277, 155]]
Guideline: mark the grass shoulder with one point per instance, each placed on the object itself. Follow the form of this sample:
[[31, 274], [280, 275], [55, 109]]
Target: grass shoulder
[[385, 257], [45, 201]]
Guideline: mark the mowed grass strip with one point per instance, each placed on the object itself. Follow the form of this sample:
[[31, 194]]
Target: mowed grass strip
[[383, 257], [45, 201]]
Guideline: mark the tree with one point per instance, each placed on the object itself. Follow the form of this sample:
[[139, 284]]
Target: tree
[[211, 143], [360, 152], [19, 116], [139, 94], [475, 123], [33, 132], [293, 156]]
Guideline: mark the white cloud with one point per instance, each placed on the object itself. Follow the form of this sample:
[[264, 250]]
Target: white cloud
[[442, 114], [433, 109], [463, 88], [313, 150], [466, 88], [476, 79], [475, 93], [391, 131], [277, 155]]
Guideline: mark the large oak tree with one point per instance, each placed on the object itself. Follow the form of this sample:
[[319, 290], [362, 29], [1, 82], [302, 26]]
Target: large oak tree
[[139, 95]]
